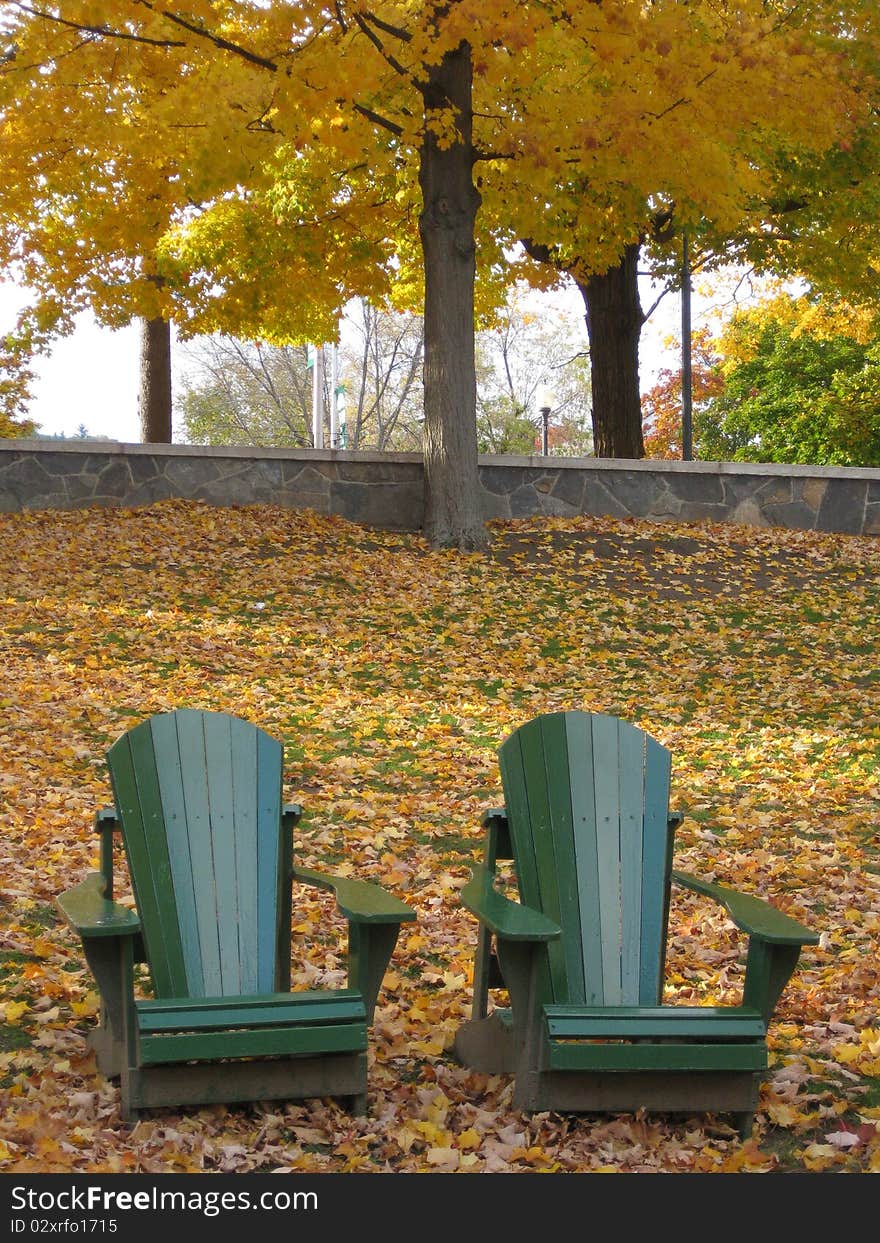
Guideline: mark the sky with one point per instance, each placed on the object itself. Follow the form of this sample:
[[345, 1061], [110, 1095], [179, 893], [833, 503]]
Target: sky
[[90, 379]]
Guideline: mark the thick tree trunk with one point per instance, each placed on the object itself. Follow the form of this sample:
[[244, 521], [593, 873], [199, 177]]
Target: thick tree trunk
[[154, 397], [453, 513], [614, 323]]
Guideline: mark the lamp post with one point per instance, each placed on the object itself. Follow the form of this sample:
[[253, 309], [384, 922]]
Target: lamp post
[[687, 440], [545, 405]]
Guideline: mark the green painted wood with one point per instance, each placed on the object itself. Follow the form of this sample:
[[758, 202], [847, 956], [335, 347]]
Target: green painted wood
[[273, 868], [199, 795], [643, 1056], [106, 823], [629, 1022], [132, 766], [87, 909], [753, 915], [579, 738], [607, 795], [292, 1041], [166, 748], [542, 817], [631, 799], [510, 758], [276, 1009], [519, 823], [191, 737], [657, 835], [511, 920], [359, 900], [554, 741], [243, 769], [218, 768]]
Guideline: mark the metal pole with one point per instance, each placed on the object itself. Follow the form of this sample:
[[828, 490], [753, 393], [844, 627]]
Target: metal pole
[[318, 399], [687, 447], [545, 419], [334, 399]]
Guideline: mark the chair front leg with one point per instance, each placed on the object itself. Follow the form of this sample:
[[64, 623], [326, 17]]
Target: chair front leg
[[370, 947], [521, 964], [769, 967], [110, 961]]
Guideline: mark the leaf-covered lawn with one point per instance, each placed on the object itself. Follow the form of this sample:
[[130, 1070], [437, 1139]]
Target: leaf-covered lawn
[[392, 674]]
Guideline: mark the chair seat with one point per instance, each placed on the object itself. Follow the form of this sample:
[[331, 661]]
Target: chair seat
[[654, 1022], [184, 1029], [655, 1038]]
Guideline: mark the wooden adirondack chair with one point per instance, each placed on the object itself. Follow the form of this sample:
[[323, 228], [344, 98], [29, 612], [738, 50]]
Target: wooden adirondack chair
[[581, 953], [209, 850]]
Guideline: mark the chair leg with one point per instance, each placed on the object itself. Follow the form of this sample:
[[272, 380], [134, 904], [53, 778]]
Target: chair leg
[[357, 1105], [745, 1124]]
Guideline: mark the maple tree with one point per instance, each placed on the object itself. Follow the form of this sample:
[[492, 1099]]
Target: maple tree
[[155, 70], [701, 127], [393, 672]]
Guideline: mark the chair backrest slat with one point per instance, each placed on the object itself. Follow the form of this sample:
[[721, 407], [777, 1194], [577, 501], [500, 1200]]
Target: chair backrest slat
[[587, 798], [199, 797], [658, 840]]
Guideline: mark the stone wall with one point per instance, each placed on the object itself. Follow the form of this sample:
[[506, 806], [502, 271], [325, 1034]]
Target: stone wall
[[385, 490]]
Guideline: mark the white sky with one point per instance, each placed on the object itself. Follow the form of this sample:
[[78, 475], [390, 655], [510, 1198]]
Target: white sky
[[91, 377]]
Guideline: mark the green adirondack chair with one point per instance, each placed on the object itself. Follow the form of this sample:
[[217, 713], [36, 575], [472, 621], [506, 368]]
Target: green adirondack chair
[[581, 952], [198, 801]]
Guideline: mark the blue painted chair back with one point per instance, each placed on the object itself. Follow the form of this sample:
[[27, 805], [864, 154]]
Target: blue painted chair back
[[199, 798], [587, 801]]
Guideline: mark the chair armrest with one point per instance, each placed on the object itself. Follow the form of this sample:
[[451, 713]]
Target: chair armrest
[[674, 819], [754, 916], [92, 914], [359, 900], [494, 813], [511, 920]]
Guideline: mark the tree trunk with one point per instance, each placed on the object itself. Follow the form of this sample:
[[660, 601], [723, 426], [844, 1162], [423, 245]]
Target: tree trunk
[[614, 323], [154, 397], [453, 513]]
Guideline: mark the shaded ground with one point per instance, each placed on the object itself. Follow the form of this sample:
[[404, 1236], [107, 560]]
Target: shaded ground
[[392, 673]]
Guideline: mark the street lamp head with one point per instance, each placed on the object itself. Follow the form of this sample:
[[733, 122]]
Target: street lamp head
[[546, 398]]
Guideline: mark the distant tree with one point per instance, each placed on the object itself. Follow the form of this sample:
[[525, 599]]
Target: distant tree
[[382, 360], [247, 392], [18, 350], [12, 428], [244, 392], [662, 403], [237, 392], [801, 384], [531, 352]]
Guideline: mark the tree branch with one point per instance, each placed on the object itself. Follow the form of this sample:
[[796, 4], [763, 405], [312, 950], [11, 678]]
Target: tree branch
[[225, 45], [386, 27], [106, 32], [378, 119], [380, 47]]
